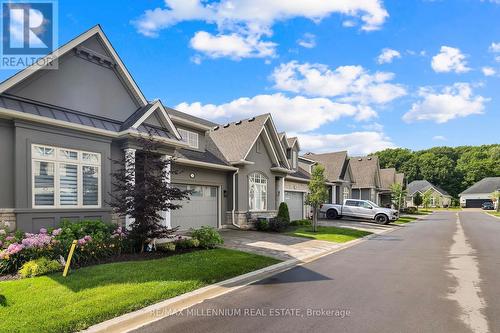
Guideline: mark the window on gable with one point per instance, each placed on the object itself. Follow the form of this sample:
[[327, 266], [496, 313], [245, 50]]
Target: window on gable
[[65, 178], [191, 138]]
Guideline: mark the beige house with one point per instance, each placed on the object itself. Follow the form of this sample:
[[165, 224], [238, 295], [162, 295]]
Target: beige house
[[439, 197], [389, 177]]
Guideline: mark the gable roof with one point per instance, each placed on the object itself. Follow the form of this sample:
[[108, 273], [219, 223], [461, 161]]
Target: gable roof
[[400, 178], [423, 186], [236, 139], [300, 173], [387, 178], [334, 163], [485, 185], [365, 171], [94, 31], [292, 141], [190, 120]]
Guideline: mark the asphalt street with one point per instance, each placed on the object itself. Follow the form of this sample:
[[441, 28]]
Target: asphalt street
[[440, 274]]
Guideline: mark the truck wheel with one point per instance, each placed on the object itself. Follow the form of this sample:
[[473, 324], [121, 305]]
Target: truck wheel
[[381, 219], [331, 214]]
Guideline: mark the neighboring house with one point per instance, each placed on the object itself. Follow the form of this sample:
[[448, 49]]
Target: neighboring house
[[258, 185], [389, 177], [439, 197], [338, 174], [366, 173], [480, 192]]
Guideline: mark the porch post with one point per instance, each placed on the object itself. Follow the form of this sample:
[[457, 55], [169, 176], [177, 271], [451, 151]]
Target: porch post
[[334, 194], [166, 214], [129, 155], [281, 188]]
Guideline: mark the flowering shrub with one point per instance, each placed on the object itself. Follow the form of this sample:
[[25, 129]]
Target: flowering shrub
[[96, 240]]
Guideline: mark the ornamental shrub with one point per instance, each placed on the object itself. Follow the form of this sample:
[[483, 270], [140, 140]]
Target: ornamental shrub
[[208, 237], [301, 223], [187, 243], [283, 212], [262, 224], [277, 224], [40, 266], [166, 247]]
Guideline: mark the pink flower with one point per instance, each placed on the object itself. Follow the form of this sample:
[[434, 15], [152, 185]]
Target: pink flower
[[87, 238], [56, 232], [81, 241], [43, 231], [36, 240], [9, 238], [14, 248]]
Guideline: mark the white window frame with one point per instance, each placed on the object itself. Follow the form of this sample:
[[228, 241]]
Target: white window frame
[[189, 137], [258, 186], [57, 159], [345, 194], [294, 159]]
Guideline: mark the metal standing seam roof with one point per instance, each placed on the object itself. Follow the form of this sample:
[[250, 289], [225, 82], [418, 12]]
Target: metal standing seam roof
[[77, 117], [485, 185], [189, 117]]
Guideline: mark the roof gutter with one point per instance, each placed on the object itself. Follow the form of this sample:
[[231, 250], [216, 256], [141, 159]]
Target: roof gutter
[[186, 161]]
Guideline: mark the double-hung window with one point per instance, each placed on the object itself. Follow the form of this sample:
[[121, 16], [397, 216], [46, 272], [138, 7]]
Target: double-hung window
[[65, 178], [191, 138], [257, 192]]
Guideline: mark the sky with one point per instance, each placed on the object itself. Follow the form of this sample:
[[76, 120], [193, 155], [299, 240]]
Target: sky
[[356, 75]]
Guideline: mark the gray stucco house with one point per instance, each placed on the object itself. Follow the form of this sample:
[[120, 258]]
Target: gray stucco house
[[60, 128]]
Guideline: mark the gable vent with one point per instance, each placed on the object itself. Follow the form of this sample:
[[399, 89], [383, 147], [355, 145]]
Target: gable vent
[[251, 119], [226, 125], [238, 122]]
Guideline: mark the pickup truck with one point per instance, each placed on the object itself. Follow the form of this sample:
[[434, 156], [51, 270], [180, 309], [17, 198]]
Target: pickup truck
[[365, 209]]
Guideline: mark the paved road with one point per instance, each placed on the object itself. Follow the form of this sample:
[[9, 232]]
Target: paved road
[[436, 275]]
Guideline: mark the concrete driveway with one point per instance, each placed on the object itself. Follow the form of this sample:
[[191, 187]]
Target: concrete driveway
[[284, 247]]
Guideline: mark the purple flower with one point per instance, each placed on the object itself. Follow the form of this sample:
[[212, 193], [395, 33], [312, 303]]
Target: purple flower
[[9, 238], [82, 241], [87, 238], [43, 231], [56, 232], [36, 240]]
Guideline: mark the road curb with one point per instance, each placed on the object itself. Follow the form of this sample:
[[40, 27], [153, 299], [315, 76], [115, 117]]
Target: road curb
[[166, 308]]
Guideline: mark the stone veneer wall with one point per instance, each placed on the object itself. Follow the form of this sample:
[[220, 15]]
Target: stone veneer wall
[[7, 219], [246, 220]]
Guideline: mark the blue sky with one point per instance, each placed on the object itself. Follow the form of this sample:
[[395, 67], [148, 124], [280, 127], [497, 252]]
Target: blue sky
[[318, 66]]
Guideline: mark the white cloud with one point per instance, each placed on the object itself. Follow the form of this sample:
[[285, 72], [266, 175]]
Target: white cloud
[[256, 17], [308, 41], [387, 56], [449, 59], [439, 138], [374, 127], [349, 23], [495, 47], [233, 46], [347, 83], [296, 114], [452, 102], [488, 71], [356, 143]]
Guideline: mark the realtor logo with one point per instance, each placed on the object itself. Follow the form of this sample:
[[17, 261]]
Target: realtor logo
[[28, 33]]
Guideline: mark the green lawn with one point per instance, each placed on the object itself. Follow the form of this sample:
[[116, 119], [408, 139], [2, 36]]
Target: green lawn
[[331, 234], [494, 213], [93, 294], [405, 219]]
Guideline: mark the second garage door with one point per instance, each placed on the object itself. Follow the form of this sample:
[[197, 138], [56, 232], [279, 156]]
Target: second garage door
[[200, 210], [475, 203], [295, 202]]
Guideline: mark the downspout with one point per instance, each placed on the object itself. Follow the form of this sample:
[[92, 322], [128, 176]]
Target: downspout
[[234, 200]]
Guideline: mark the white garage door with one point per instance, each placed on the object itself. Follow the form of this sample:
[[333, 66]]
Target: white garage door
[[200, 210], [295, 202]]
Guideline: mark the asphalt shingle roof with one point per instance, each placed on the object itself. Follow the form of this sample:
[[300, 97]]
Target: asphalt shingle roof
[[485, 185], [387, 178], [422, 186], [301, 173], [234, 140], [364, 171], [200, 156], [334, 163]]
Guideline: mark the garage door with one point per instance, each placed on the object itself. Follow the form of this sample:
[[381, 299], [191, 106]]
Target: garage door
[[199, 211], [295, 202], [475, 203]]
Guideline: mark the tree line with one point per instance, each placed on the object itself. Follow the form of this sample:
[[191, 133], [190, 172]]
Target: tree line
[[452, 168]]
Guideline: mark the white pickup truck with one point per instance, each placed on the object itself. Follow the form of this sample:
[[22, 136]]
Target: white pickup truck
[[365, 209]]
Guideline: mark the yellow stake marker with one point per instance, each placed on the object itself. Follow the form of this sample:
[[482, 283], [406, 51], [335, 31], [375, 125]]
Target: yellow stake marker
[[70, 255]]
